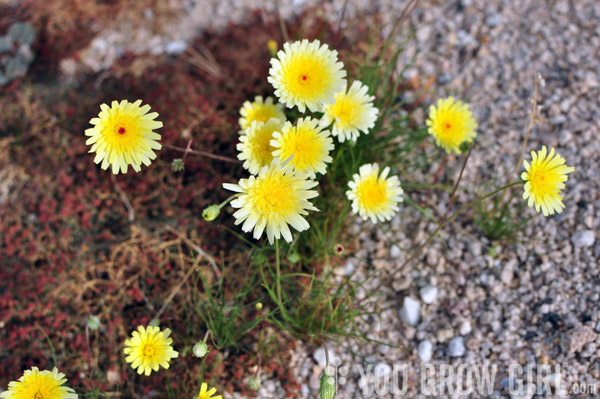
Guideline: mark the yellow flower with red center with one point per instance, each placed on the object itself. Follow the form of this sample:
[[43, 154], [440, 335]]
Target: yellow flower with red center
[[451, 123]]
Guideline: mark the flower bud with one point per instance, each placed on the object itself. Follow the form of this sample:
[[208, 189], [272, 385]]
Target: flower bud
[[258, 306], [327, 388], [272, 44], [177, 165], [293, 257], [200, 349], [210, 213], [254, 382], [93, 323]]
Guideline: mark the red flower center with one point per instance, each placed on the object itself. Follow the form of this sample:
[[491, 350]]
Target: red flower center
[[121, 130]]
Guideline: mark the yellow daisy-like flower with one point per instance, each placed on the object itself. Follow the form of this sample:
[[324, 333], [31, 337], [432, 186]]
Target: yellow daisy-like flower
[[373, 195], [307, 75], [148, 348], [255, 146], [36, 384], [351, 113], [308, 145], [206, 393], [451, 123], [544, 178], [259, 110], [123, 135], [272, 200]]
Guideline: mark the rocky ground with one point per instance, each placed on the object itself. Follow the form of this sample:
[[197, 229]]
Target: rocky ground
[[466, 300], [532, 302]]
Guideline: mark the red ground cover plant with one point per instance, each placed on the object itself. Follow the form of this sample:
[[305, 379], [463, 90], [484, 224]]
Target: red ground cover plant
[[67, 248]]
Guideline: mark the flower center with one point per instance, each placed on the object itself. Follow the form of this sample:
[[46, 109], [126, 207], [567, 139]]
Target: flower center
[[303, 79], [372, 193], [121, 130], [148, 350], [448, 126], [38, 395]]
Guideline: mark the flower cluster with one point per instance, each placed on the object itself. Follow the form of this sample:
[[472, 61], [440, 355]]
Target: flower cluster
[[285, 158]]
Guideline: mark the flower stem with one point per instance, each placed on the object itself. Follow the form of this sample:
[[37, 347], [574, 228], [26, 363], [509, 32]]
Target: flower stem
[[278, 272], [458, 181]]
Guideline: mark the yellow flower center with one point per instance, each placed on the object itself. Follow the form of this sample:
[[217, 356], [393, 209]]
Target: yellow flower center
[[149, 350], [344, 110], [38, 395], [261, 146], [305, 145], [372, 193], [307, 76], [272, 194]]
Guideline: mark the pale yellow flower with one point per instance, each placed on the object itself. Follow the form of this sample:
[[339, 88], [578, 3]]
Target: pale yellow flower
[[259, 110], [306, 74], [307, 144], [351, 113], [451, 123], [374, 196], [544, 178], [255, 146], [148, 348], [123, 135]]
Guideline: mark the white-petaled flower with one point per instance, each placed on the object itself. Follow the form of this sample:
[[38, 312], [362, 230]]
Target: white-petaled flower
[[272, 200], [307, 144], [373, 195], [255, 146], [351, 113], [259, 110], [306, 74]]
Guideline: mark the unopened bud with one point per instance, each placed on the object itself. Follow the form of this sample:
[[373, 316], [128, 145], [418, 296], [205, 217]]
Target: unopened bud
[[258, 306], [177, 165], [93, 323], [272, 44], [327, 388], [293, 257], [200, 349], [254, 382], [210, 213]]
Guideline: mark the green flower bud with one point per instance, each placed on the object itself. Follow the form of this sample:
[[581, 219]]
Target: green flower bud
[[258, 306], [293, 257], [210, 213], [177, 165], [327, 388], [93, 323], [254, 382], [200, 349]]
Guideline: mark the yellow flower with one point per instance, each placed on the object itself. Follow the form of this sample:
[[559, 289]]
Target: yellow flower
[[544, 178], [374, 196], [205, 393], [123, 135], [351, 113], [272, 200], [308, 145], [307, 75], [255, 146], [36, 384], [451, 123], [149, 348], [259, 110]]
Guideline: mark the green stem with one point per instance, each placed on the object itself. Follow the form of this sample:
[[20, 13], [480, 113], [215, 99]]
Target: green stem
[[278, 272]]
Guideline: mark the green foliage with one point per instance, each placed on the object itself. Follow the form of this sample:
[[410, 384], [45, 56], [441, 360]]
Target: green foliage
[[501, 219]]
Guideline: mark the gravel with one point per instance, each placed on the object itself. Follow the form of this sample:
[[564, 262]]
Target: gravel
[[428, 294], [425, 351], [583, 239], [456, 347], [409, 313]]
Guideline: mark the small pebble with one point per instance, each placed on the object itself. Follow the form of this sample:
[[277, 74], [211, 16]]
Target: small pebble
[[409, 313], [456, 347], [425, 351], [428, 294], [583, 239]]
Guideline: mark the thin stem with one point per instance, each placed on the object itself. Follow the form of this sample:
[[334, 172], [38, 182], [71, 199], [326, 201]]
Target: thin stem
[[532, 119], [208, 332], [203, 153], [442, 224], [130, 211], [277, 272], [49, 344], [286, 38], [458, 181], [177, 288]]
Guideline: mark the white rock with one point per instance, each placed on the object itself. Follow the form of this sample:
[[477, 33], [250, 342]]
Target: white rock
[[425, 351], [395, 251], [175, 47], [583, 239], [319, 356], [456, 347], [428, 294], [465, 328], [409, 313]]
